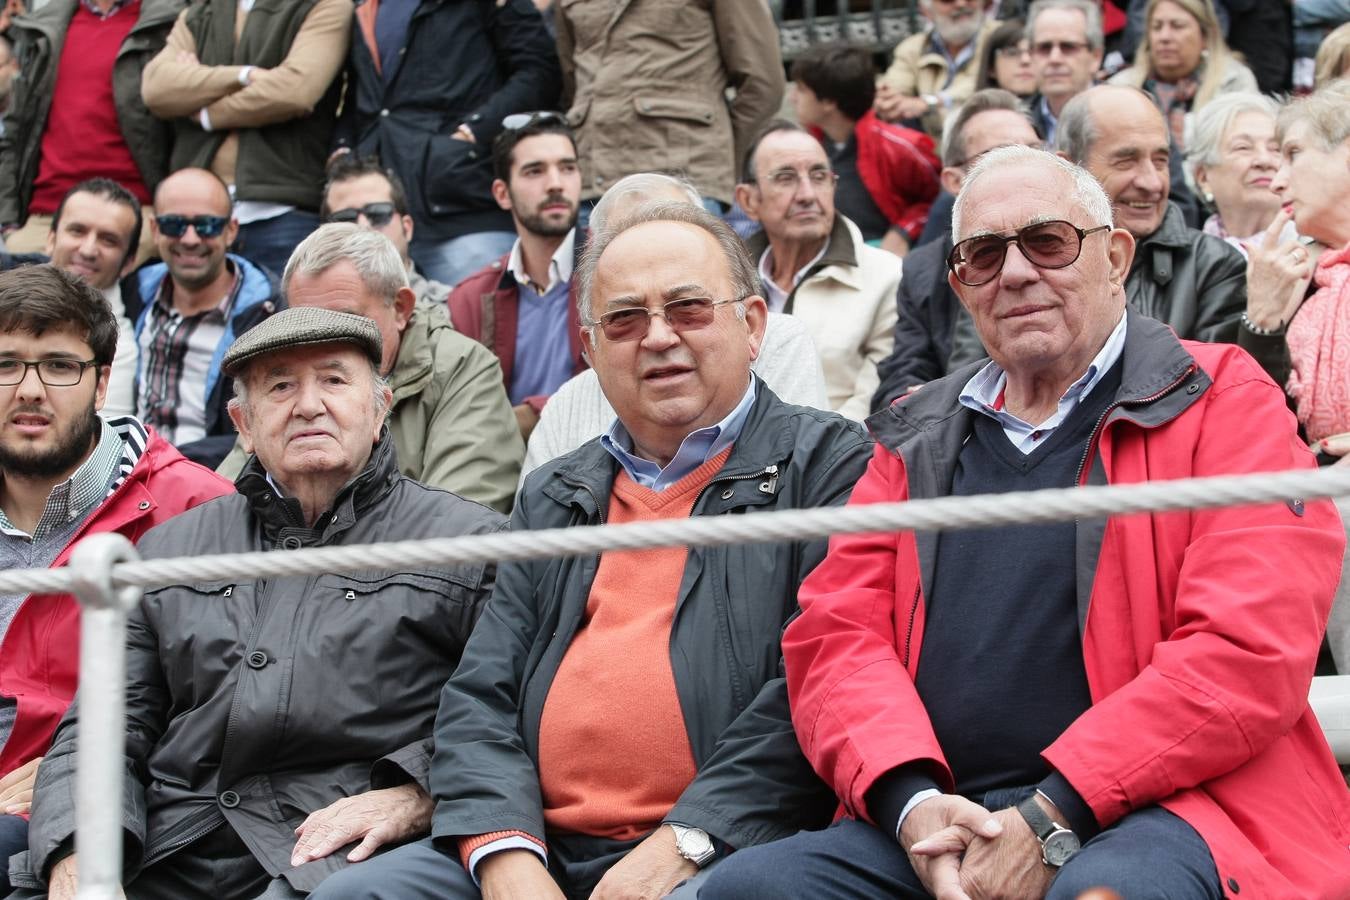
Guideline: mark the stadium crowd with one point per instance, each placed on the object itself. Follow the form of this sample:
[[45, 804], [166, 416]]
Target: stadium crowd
[[279, 274]]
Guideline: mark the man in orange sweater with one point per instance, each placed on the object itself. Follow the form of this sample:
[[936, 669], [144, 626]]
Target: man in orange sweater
[[619, 722]]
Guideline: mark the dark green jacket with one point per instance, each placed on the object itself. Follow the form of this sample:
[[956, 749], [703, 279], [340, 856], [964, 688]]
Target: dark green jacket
[[38, 38], [278, 163]]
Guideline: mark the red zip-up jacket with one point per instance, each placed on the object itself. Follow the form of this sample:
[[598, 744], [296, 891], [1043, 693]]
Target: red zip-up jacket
[[39, 657], [1200, 629]]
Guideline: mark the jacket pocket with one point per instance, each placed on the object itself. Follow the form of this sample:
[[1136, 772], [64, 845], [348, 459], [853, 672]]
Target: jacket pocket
[[455, 175], [691, 111]]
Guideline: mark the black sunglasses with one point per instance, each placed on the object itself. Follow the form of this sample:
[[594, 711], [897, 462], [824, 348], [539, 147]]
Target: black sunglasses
[[1050, 245], [377, 214], [519, 121], [176, 226]]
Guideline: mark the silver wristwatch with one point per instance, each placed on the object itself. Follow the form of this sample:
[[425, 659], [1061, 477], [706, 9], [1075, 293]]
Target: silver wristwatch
[[1058, 844], [693, 844]]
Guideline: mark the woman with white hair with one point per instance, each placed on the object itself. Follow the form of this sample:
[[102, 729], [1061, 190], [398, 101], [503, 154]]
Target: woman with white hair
[[1184, 62], [1232, 160]]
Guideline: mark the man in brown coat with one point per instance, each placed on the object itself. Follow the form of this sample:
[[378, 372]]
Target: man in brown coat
[[646, 81]]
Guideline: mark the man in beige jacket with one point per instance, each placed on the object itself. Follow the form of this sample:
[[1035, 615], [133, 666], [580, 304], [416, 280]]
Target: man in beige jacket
[[646, 81]]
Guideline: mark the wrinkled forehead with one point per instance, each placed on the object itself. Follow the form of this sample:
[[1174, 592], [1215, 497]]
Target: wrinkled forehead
[[658, 259], [1011, 196]]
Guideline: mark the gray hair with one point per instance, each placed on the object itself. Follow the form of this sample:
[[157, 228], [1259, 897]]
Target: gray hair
[[1087, 193], [1213, 121], [376, 259], [744, 279], [632, 191], [1092, 12], [1326, 110], [953, 136], [1076, 132]]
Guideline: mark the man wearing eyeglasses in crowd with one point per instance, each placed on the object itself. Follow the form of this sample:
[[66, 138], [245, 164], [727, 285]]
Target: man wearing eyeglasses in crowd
[[1066, 49], [523, 305], [65, 472], [1038, 710], [815, 264], [619, 723], [198, 299]]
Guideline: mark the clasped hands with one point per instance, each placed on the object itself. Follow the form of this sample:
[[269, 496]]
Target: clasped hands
[[961, 851]]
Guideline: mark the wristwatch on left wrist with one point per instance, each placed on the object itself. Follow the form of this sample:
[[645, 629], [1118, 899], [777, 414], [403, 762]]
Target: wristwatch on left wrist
[[1058, 844], [693, 844]]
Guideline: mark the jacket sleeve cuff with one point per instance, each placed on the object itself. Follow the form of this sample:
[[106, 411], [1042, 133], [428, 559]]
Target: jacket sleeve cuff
[[1082, 821], [888, 797], [406, 764], [473, 850]]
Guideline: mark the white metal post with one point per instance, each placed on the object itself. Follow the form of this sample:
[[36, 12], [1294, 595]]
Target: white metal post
[[102, 699]]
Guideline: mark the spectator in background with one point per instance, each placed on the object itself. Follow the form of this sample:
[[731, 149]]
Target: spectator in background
[[1262, 33], [887, 173], [197, 301], [254, 101], [94, 233], [926, 306], [8, 10], [523, 306], [1333, 57], [814, 264], [76, 111], [449, 419], [1183, 62], [645, 83], [1006, 61], [429, 84], [1233, 159], [71, 470], [933, 72], [363, 191], [1066, 43]]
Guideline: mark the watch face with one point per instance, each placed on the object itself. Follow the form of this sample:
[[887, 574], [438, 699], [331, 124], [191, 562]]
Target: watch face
[[1059, 847]]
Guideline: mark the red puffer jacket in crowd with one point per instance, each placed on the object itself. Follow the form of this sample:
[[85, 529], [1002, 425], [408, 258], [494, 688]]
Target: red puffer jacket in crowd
[[39, 658], [899, 168], [1200, 638]]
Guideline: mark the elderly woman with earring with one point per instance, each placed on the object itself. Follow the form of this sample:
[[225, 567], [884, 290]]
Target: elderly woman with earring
[[1232, 161], [1184, 62]]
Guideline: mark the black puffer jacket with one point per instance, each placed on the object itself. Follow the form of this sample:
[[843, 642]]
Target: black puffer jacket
[[258, 702], [753, 785]]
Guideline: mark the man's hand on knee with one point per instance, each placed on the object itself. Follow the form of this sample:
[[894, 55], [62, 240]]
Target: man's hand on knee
[[391, 815], [936, 833], [1010, 865], [650, 870]]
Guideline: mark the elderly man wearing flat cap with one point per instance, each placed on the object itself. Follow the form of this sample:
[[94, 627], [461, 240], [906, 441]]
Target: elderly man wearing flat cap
[[279, 730]]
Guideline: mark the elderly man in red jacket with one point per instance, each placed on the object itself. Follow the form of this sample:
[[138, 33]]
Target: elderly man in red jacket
[[1034, 711], [65, 472]]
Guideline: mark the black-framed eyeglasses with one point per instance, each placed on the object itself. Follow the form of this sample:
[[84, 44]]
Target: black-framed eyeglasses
[[377, 214], [1048, 245], [175, 226], [56, 372], [633, 322], [517, 121], [1066, 48]]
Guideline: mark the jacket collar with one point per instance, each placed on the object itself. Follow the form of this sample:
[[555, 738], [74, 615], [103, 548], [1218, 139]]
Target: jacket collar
[[1173, 232], [1155, 364], [53, 18], [586, 476], [413, 367], [839, 246], [281, 519]]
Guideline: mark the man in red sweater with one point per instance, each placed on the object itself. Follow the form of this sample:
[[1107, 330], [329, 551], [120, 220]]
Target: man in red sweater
[[76, 110]]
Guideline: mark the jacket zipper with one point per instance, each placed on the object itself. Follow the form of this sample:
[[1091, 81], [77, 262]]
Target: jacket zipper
[[909, 629], [1139, 401], [213, 821]]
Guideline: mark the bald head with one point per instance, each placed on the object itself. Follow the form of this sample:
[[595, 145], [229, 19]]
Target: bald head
[[200, 183]]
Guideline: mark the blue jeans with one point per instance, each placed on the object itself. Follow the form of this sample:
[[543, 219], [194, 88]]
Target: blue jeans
[[1148, 855], [269, 242], [450, 262]]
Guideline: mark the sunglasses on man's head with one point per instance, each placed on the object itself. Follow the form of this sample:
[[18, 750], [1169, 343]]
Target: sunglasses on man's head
[[377, 214], [206, 226], [1048, 245], [517, 121]]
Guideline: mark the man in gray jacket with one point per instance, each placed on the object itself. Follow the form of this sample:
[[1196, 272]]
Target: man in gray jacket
[[279, 730], [620, 721]]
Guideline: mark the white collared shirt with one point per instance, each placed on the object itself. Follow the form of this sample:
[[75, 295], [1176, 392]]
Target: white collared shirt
[[777, 296], [559, 267]]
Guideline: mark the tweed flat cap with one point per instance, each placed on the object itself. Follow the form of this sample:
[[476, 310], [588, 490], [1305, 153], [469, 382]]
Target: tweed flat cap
[[301, 326]]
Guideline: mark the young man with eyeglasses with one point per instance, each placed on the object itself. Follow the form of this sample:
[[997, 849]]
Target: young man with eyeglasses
[[361, 190], [523, 305], [1038, 710], [65, 473], [887, 173], [428, 84], [815, 264], [198, 299], [618, 724], [1066, 49]]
